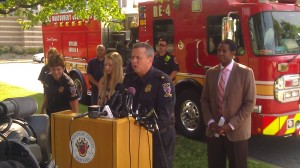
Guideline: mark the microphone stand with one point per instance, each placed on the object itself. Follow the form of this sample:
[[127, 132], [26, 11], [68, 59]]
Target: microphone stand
[[156, 128]]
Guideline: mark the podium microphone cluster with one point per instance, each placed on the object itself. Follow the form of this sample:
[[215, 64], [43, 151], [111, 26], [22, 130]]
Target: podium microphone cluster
[[94, 111], [147, 118]]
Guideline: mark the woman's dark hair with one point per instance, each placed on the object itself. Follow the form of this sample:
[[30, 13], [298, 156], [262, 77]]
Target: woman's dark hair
[[56, 59]]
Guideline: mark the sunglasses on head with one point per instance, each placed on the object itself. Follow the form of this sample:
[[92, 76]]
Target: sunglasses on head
[[162, 45]]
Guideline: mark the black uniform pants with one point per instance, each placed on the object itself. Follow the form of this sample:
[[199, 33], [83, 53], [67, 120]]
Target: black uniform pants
[[164, 156], [94, 95]]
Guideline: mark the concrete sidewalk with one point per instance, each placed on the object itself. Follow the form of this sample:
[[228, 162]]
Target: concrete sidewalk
[[15, 61], [22, 74]]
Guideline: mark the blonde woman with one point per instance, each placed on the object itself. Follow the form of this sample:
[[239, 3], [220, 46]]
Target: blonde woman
[[113, 74]]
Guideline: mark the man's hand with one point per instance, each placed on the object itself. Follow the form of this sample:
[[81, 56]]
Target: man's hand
[[216, 129], [226, 128]]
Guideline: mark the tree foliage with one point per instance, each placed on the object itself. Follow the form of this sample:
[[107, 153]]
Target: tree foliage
[[106, 11]]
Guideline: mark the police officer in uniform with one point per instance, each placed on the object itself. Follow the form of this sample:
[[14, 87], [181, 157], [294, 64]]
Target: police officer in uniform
[[95, 70], [60, 91], [164, 61], [154, 90]]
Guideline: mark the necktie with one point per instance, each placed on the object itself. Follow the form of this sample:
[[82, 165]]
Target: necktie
[[221, 89]]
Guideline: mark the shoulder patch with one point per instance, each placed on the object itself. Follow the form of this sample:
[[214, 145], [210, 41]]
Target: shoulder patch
[[73, 91], [167, 89]]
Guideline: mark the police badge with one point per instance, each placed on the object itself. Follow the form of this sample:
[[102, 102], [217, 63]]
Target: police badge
[[148, 88], [61, 89]]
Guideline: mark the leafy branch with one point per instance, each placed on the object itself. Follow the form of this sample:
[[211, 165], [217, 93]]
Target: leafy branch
[[105, 11]]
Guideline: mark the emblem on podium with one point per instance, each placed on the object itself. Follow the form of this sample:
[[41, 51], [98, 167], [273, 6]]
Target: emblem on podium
[[83, 147]]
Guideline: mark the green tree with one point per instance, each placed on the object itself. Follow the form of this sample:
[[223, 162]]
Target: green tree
[[106, 11]]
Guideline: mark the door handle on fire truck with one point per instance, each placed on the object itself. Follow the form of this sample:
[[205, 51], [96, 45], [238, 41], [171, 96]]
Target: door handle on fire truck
[[197, 53]]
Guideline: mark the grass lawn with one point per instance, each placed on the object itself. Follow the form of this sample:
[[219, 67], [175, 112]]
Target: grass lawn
[[189, 153]]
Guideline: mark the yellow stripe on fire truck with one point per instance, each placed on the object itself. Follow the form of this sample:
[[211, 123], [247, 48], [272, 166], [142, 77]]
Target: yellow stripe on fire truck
[[283, 125]]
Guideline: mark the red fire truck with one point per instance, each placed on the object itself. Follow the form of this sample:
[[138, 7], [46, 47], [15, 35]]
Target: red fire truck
[[268, 37], [77, 40]]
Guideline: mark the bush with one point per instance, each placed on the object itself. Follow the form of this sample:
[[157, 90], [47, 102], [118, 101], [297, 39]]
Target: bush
[[4, 49], [11, 47], [31, 50], [1, 50], [18, 50], [41, 50]]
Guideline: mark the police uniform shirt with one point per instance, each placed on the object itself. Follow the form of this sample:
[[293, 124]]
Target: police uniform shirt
[[165, 63], [59, 93], [95, 68], [154, 90]]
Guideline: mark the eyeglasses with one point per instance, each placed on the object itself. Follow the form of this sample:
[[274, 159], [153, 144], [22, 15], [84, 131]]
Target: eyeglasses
[[162, 45]]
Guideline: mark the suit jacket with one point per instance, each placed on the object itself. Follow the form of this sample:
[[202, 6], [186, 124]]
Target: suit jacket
[[238, 102]]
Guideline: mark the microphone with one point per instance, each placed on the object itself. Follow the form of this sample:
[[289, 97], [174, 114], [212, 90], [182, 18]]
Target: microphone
[[147, 119], [118, 89], [130, 94], [152, 115], [108, 112], [19, 107], [81, 115], [94, 111], [116, 107]]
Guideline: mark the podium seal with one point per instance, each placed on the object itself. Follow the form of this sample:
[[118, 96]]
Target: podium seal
[[83, 147]]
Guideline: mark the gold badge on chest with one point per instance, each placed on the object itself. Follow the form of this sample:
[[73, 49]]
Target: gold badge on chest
[[61, 89], [148, 88]]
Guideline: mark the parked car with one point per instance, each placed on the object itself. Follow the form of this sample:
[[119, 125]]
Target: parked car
[[38, 57]]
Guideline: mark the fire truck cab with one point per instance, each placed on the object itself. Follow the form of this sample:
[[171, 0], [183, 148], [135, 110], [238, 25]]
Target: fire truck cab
[[267, 34]]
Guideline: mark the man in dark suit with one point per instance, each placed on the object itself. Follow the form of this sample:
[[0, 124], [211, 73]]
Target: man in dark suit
[[229, 92]]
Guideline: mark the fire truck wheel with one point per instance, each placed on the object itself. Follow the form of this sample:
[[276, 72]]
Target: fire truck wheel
[[188, 115], [81, 89]]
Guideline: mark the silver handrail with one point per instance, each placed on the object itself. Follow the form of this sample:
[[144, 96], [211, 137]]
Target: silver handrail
[[197, 53]]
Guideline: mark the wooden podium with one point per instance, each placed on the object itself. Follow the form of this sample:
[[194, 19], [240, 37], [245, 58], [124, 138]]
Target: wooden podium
[[99, 143]]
